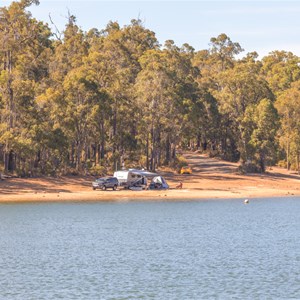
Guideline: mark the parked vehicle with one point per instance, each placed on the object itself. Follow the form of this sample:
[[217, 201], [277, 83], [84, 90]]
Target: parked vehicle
[[186, 170], [105, 183], [133, 178]]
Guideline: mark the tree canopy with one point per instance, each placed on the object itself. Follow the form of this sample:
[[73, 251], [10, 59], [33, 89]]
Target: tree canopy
[[92, 102]]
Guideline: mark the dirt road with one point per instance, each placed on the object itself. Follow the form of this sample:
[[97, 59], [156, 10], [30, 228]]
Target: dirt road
[[215, 178], [207, 166]]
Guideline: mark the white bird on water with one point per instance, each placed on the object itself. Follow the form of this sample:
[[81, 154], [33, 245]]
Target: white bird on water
[[246, 201]]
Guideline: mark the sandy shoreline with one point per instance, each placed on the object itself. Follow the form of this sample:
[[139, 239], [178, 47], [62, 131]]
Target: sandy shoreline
[[211, 179], [210, 190]]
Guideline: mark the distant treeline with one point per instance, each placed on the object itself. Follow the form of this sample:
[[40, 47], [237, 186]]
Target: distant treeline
[[77, 102]]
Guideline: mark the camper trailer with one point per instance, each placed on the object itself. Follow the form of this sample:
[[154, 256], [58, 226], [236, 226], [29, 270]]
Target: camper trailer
[[133, 178]]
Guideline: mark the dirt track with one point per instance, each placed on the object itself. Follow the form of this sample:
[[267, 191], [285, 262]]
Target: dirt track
[[218, 178]]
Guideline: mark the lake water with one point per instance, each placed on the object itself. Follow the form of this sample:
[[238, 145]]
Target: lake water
[[153, 250]]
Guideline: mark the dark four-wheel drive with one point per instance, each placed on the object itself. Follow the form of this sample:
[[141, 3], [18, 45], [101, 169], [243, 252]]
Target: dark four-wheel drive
[[105, 183]]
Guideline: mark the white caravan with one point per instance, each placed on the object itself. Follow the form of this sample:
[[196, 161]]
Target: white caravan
[[133, 178]]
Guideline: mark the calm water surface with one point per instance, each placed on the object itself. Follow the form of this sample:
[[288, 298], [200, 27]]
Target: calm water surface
[[153, 250]]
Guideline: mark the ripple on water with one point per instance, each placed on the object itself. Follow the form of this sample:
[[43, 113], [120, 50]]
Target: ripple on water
[[180, 250]]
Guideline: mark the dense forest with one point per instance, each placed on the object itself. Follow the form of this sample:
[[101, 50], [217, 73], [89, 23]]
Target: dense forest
[[76, 102]]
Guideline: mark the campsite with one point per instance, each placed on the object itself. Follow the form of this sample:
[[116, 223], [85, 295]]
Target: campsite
[[134, 179], [212, 178]]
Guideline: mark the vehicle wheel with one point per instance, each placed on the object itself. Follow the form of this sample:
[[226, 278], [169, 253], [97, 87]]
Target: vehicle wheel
[[104, 188], [94, 188], [114, 187]]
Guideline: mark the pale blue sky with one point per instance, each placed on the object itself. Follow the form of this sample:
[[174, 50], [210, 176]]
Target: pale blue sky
[[261, 26]]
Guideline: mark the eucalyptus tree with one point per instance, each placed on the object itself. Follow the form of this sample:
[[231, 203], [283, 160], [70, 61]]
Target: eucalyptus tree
[[205, 111], [97, 77], [213, 64], [151, 86], [282, 72], [223, 51], [196, 106], [68, 52], [281, 69], [112, 66], [242, 86], [66, 99], [165, 90], [288, 105], [24, 55], [264, 136], [183, 93], [119, 70]]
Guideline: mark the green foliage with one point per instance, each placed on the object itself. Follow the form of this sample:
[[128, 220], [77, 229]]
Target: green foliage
[[91, 102], [98, 171], [263, 137], [249, 167]]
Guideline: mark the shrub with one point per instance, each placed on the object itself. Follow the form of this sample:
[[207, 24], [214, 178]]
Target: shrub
[[282, 164], [213, 153], [249, 167], [179, 163], [98, 171], [72, 171]]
